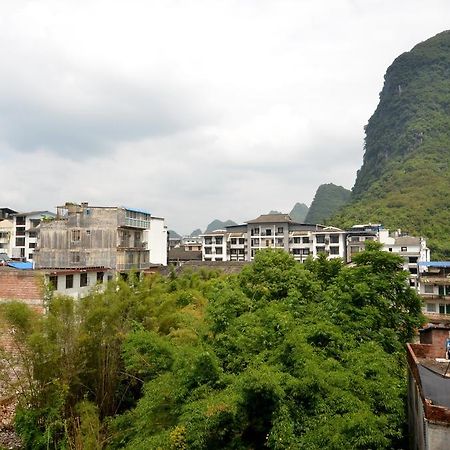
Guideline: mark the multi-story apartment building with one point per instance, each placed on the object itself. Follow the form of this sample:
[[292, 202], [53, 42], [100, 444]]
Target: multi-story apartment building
[[434, 288], [86, 245], [6, 231], [215, 246], [25, 233], [241, 242]]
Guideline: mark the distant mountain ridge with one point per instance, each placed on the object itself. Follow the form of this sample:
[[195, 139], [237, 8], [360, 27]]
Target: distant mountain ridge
[[217, 224], [299, 212], [404, 181], [328, 200]]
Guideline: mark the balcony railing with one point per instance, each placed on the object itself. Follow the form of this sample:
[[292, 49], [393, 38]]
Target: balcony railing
[[131, 266], [137, 223]]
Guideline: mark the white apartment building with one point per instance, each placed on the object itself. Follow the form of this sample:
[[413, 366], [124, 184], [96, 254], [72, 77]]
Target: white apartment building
[[6, 233], [155, 238], [241, 242], [25, 233], [214, 246], [434, 288]]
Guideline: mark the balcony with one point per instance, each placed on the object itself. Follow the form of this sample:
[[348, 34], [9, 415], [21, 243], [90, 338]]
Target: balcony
[[131, 266], [135, 223]]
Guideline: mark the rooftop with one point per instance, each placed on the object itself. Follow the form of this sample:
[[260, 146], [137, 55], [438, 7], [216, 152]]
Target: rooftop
[[407, 240], [272, 218], [35, 213]]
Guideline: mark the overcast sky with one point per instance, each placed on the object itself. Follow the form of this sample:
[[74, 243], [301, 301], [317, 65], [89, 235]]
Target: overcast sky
[[193, 110]]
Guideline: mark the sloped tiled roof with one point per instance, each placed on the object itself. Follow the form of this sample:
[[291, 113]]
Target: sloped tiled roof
[[272, 218], [407, 240]]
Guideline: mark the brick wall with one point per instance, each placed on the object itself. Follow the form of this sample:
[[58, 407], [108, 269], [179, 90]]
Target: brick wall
[[23, 286]]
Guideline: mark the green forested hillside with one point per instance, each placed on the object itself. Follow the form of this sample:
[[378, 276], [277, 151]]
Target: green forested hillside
[[328, 199], [404, 181]]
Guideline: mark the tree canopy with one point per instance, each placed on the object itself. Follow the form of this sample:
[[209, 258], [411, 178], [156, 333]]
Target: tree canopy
[[282, 356]]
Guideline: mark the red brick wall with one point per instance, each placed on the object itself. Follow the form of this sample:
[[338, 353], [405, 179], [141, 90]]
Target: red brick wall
[[23, 286], [436, 337]]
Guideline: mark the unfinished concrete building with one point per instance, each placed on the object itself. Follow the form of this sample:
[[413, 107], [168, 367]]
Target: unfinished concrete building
[[83, 236]]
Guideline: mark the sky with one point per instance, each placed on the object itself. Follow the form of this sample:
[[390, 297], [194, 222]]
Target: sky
[[193, 110]]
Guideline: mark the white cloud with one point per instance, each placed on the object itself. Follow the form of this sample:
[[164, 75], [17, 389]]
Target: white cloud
[[193, 110]]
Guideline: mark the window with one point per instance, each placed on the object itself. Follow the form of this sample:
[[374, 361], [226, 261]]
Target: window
[[320, 239], [296, 251], [219, 259], [305, 251], [76, 235], [69, 281], [334, 238], [320, 250], [255, 231], [20, 231], [83, 279], [208, 241], [305, 240], [241, 241], [53, 282], [412, 259], [241, 251], [100, 276], [233, 251], [32, 245], [32, 234], [255, 242], [431, 307], [20, 242], [30, 255], [413, 270], [404, 249], [280, 241], [354, 249], [297, 240], [219, 250], [88, 232], [444, 308], [268, 232], [280, 230], [429, 289], [233, 241], [334, 250], [219, 240], [75, 257], [208, 250], [390, 249], [20, 220]]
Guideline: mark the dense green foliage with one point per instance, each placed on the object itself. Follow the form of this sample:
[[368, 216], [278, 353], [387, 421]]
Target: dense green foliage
[[328, 199], [404, 181], [283, 356], [299, 212]]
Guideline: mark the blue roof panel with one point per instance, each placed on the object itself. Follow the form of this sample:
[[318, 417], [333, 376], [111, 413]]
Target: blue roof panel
[[434, 264], [20, 265], [136, 210]]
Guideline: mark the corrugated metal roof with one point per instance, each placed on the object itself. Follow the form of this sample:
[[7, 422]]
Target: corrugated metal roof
[[136, 210]]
